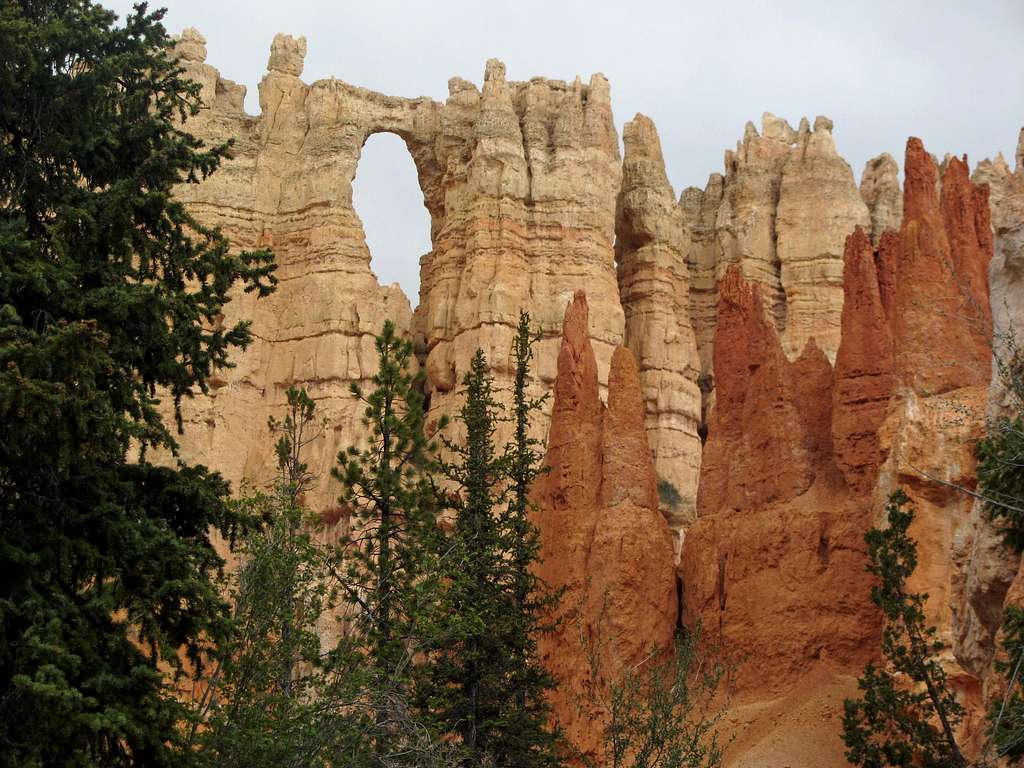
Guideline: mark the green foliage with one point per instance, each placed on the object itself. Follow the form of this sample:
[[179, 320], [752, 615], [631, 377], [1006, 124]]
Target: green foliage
[[906, 714], [386, 565], [1001, 477], [482, 682], [529, 739], [1001, 452], [273, 697], [1006, 715], [277, 696], [109, 293], [663, 712], [464, 678], [669, 495]]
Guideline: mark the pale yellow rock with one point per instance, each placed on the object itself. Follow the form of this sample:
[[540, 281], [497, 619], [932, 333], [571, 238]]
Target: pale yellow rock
[[520, 180], [699, 209], [529, 174], [987, 566], [782, 212], [654, 286], [745, 222], [190, 45], [880, 188], [287, 55], [819, 206], [288, 187]]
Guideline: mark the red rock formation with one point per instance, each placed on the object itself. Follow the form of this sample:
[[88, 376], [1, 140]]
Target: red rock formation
[[968, 219], [603, 538], [774, 565], [797, 464], [886, 259], [864, 367], [813, 382], [757, 448], [940, 284]]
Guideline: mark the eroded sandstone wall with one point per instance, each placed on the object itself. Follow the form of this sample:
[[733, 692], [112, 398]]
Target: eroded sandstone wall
[[880, 188], [603, 540], [529, 174], [654, 284], [520, 180], [990, 575], [831, 342], [288, 187], [774, 565], [800, 456], [781, 213]]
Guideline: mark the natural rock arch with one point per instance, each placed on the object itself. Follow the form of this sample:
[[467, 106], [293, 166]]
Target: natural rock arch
[[389, 202]]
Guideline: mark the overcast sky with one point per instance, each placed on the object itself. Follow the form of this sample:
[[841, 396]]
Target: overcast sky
[[948, 71]]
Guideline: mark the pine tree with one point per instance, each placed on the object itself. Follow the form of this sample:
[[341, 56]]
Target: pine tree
[[275, 697], [278, 696], [386, 572], [482, 682], [466, 669], [528, 737], [906, 714], [109, 293], [1006, 716], [1001, 485]]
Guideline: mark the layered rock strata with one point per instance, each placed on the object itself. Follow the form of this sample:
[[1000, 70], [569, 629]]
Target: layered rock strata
[[288, 187], [654, 285], [603, 539], [780, 213], [800, 457], [834, 343], [527, 176], [520, 180]]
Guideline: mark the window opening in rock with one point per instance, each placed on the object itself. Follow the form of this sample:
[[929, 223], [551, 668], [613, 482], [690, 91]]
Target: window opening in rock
[[387, 197]]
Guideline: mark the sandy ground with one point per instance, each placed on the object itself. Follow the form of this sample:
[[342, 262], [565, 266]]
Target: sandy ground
[[799, 730]]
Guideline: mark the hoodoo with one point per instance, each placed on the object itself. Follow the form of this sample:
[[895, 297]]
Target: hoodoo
[[774, 353], [603, 539]]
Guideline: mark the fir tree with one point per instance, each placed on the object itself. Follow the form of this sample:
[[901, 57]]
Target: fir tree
[[275, 696], [278, 696], [483, 682], [906, 715], [385, 560], [528, 738], [467, 668], [109, 293]]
